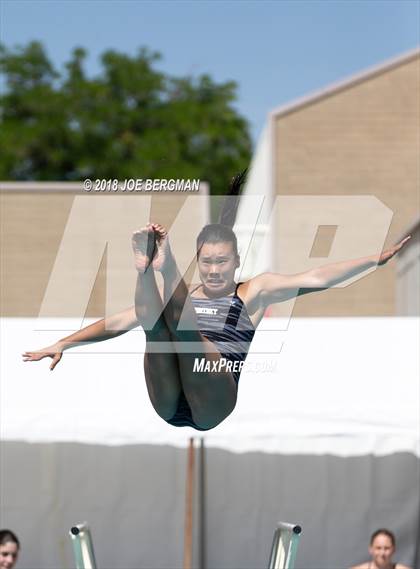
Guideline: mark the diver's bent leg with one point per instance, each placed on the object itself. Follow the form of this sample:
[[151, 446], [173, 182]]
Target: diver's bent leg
[[211, 394], [160, 362], [178, 309], [162, 374], [148, 304]]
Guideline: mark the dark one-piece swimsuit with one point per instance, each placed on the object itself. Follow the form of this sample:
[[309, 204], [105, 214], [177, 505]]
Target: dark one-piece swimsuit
[[225, 322]]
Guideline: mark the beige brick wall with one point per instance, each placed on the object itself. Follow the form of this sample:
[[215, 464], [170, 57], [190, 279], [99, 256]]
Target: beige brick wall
[[363, 139], [33, 224]]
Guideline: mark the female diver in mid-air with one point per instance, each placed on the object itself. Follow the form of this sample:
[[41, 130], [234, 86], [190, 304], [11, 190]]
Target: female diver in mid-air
[[197, 337]]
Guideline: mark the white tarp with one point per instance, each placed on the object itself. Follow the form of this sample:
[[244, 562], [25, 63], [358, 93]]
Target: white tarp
[[342, 386]]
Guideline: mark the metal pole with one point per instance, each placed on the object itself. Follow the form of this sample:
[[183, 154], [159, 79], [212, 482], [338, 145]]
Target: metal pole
[[189, 507], [284, 548], [202, 505], [82, 546]]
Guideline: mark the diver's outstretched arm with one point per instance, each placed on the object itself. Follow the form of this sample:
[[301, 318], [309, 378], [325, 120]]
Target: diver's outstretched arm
[[103, 329], [272, 287]]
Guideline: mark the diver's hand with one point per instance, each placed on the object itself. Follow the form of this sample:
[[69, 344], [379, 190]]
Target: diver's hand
[[55, 352], [389, 253]]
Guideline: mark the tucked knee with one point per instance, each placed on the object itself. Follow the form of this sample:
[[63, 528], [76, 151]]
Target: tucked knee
[[208, 415], [165, 409]]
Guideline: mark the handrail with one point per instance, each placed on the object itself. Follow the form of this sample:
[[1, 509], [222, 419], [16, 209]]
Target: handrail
[[82, 546], [285, 544]]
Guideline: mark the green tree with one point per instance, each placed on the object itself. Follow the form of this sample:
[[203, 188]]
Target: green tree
[[131, 121]]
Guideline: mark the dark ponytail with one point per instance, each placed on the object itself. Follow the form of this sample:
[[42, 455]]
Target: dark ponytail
[[230, 205], [222, 231]]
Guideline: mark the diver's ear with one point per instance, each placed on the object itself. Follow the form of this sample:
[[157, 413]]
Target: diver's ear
[[238, 262]]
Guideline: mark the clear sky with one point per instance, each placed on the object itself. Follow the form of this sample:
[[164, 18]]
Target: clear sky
[[276, 51]]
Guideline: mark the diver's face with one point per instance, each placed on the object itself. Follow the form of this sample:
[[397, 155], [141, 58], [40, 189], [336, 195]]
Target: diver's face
[[217, 263], [8, 555], [382, 550]]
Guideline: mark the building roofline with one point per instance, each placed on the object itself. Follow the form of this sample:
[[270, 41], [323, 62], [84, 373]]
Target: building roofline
[[336, 87]]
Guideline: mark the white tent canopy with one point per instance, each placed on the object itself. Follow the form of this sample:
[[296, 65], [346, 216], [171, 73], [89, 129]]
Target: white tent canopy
[[325, 433], [344, 386]]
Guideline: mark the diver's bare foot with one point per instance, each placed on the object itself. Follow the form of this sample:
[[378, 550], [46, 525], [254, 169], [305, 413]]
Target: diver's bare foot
[[163, 256], [144, 247]]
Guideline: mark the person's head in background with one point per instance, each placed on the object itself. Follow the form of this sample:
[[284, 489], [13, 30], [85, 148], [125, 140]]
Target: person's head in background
[[9, 549], [382, 547]]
